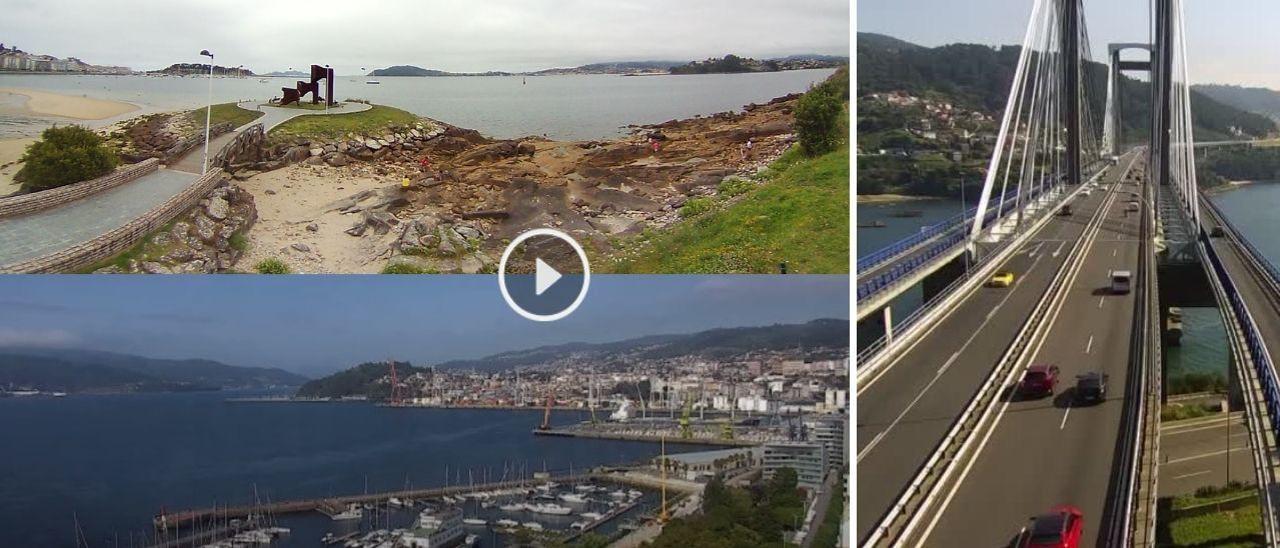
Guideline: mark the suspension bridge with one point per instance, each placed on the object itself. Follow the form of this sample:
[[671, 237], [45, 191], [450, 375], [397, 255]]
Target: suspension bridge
[[1103, 233]]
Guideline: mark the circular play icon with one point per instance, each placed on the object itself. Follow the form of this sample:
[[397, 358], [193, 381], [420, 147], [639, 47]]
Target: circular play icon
[[544, 275]]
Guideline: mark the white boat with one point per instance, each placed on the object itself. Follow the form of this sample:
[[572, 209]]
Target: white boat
[[634, 494], [585, 488], [552, 509], [517, 507], [486, 504], [353, 511], [619, 494], [475, 521], [393, 501], [507, 522], [592, 516], [372, 82], [577, 525], [574, 498], [471, 540], [432, 530], [532, 525]]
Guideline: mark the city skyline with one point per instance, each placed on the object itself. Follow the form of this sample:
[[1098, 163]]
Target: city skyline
[[501, 36], [315, 325], [1224, 46]]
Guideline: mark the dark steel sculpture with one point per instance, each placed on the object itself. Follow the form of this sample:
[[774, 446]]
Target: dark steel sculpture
[[295, 94]]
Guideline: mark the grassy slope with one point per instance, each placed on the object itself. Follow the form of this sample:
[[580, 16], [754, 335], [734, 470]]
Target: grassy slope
[[225, 112], [335, 126], [1240, 527], [800, 215]]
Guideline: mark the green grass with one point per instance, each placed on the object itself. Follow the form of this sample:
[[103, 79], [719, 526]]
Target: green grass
[[372, 121], [141, 251], [272, 266], [1177, 412], [799, 215], [225, 112], [828, 534], [1239, 527]]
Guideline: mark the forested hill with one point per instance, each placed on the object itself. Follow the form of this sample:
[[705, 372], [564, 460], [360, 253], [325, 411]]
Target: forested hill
[[978, 77], [1260, 100]]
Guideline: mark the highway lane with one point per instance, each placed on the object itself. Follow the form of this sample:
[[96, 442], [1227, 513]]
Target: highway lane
[[1050, 451], [904, 413], [1194, 453], [1257, 296]]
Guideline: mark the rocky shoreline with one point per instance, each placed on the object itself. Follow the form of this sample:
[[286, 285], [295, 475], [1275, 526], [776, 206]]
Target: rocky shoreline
[[365, 201]]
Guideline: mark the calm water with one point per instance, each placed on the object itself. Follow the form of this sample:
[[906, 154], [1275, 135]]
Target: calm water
[[114, 461], [563, 107]]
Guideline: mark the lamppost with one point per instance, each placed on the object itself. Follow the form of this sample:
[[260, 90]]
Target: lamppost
[[208, 112], [329, 81]]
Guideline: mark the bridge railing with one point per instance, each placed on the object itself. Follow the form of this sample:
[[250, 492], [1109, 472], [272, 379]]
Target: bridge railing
[[954, 236], [957, 221]]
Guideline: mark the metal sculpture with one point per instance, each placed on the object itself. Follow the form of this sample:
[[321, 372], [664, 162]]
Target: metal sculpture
[[295, 94]]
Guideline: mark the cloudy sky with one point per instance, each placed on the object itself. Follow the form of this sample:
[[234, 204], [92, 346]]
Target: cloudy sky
[[1228, 41], [452, 35], [318, 324]]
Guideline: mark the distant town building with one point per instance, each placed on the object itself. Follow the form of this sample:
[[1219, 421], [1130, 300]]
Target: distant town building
[[830, 432], [14, 59], [705, 464], [807, 459]]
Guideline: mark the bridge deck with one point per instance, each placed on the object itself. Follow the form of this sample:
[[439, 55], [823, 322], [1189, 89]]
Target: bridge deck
[[905, 413], [1047, 452]]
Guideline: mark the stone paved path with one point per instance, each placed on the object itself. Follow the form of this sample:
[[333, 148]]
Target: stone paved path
[[31, 236]]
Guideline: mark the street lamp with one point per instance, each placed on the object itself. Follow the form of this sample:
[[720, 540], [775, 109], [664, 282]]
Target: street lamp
[[208, 112]]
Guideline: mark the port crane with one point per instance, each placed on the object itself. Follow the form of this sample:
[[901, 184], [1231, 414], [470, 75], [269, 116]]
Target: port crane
[[395, 385], [546, 416]]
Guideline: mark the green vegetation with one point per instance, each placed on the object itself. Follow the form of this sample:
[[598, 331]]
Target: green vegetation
[[828, 533], [365, 379], [1178, 411], [1239, 524], [799, 215], [1190, 383], [696, 206], [1217, 166], [222, 113], [73, 370], [739, 517], [406, 268], [272, 266], [733, 187], [818, 115], [149, 248], [372, 121], [65, 155]]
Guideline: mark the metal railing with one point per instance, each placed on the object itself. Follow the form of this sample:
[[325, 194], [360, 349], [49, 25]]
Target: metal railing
[[954, 222]]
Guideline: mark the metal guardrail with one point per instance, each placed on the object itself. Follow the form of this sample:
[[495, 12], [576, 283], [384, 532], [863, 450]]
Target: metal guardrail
[[957, 221], [955, 234]]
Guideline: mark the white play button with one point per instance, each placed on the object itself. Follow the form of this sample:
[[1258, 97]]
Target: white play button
[[545, 284], [544, 277]]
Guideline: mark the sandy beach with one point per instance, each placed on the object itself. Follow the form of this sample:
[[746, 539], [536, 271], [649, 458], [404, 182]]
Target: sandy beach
[[70, 106], [291, 199], [10, 151]]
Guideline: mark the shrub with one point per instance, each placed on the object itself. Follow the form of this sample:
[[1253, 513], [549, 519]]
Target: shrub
[[272, 266], [818, 120], [695, 207], [733, 186], [404, 268], [65, 155]]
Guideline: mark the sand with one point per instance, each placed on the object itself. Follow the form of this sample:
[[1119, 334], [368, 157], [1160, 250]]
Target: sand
[[302, 195], [10, 151], [70, 106]]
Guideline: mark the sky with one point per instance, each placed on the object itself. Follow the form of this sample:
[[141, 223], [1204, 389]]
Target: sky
[[459, 36], [1228, 41], [315, 325]]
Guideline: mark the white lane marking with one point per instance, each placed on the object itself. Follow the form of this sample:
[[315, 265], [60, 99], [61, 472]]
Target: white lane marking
[[1064, 418], [876, 440], [1113, 252], [1089, 346], [1193, 474], [1204, 455], [1036, 250], [1058, 251], [1101, 300]]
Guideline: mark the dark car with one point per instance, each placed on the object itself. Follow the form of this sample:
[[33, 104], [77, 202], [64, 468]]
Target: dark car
[[1061, 527], [1065, 211], [1091, 387], [1039, 380], [1216, 231]]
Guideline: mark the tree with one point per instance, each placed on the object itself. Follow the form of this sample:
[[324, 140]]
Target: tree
[[818, 120], [65, 155]]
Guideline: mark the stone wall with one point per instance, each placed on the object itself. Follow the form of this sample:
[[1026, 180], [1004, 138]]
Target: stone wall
[[246, 147], [117, 241], [187, 145], [45, 199]]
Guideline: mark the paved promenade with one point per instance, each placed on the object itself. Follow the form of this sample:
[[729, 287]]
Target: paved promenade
[[31, 236], [274, 116]]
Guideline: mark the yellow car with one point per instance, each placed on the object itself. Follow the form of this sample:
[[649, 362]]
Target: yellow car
[[1003, 278]]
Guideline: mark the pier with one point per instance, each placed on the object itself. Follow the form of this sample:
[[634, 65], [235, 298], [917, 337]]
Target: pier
[[655, 438]]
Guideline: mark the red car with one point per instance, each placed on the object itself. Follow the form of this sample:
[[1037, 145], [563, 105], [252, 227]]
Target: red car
[[1061, 527], [1039, 380]]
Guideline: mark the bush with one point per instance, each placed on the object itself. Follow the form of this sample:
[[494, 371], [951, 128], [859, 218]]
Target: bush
[[695, 207], [818, 120], [272, 266], [733, 186], [65, 155]]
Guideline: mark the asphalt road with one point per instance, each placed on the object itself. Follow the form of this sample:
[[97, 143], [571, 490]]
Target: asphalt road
[[1051, 451], [1195, 453], [905, 412]]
